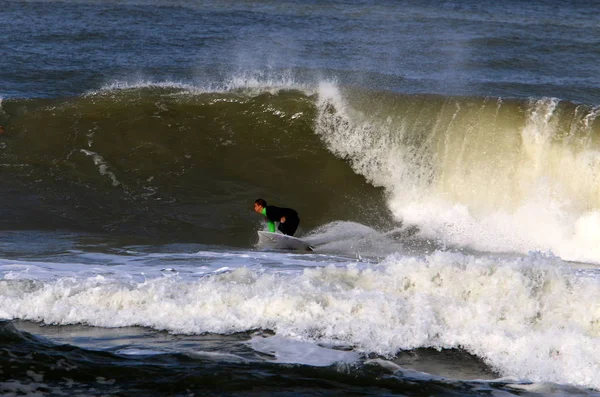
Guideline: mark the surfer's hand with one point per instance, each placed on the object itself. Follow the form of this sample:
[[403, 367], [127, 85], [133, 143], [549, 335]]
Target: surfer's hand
[[282, 220]]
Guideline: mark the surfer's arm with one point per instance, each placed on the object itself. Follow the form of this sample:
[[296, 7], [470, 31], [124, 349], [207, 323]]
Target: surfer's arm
[[270, 223]]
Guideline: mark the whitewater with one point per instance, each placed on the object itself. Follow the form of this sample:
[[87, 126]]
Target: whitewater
[[523, 315], [476, 178]]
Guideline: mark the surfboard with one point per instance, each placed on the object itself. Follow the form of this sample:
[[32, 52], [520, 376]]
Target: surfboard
[[281, 241]]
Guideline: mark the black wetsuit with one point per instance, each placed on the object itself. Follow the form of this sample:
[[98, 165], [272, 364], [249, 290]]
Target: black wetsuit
[[274, 214]]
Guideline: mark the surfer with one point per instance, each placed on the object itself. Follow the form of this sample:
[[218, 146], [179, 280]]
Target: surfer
[[288, 218]]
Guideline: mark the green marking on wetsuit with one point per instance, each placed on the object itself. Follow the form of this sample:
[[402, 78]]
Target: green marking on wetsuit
[[270, 223]]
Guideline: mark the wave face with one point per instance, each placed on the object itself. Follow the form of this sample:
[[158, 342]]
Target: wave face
[[486, 173], [173, 161], [492, 174]]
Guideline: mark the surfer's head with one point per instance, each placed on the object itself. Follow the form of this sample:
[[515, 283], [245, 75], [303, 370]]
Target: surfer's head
[[259, 205]]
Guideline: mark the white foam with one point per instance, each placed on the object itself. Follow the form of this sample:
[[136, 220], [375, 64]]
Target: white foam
[[533, 318], [492, 187], [345, 237], [251, 83], [102, 165], [140, 83]]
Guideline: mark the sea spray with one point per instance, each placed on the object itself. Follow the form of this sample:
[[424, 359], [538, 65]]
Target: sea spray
[[494, 175]]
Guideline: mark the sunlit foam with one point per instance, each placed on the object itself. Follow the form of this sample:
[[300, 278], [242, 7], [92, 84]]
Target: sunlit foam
[[531, 317], [474, 174]]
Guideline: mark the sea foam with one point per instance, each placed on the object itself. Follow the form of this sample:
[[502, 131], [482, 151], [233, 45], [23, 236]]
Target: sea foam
[[533, 317], [489, 174]]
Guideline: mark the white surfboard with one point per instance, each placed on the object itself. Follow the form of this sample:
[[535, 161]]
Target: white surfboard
[[281, 241]]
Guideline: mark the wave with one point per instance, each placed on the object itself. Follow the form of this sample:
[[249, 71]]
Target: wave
[[488, 173], [521, 315], [491, 174], [170, 161]]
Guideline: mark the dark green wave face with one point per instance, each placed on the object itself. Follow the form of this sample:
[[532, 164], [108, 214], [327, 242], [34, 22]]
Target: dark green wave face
[[180, 164], [164, 162]]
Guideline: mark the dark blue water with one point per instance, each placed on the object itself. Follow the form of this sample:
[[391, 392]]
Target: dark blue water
[[127, 258], [507, 49]]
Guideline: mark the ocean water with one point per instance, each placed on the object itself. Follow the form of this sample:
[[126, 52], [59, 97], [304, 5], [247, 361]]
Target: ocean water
[[444, 158]]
